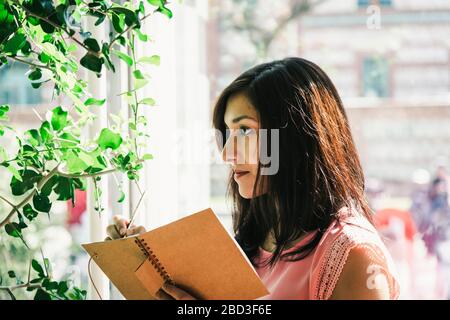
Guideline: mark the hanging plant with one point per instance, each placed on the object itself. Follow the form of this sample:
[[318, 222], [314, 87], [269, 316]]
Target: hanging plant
[[48, 36]]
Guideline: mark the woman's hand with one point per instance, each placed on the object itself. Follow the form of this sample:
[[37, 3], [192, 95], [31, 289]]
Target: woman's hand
[[171, 292], [119, 228]]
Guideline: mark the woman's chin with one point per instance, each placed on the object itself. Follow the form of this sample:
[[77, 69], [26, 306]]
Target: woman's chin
[[246, 194]]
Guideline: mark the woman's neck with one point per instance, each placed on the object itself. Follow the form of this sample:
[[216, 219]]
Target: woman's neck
[[269, 244]]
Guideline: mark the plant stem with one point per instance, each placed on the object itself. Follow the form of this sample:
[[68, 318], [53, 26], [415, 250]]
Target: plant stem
[[29, 63], [24, 285], [8, 202], [30, 195], [60, 28], [126, 30], [136, 102], [41, 183], [86, 175]]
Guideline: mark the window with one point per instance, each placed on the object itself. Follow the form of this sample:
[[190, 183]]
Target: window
[[375, 77], [366, 3], [363, 3], [16, 88]]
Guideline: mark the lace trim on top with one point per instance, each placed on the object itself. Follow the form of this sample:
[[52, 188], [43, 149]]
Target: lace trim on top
[[362, 233]]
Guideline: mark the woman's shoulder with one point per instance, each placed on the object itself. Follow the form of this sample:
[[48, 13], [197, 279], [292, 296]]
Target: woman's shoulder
[[350, 230], [350, 227]]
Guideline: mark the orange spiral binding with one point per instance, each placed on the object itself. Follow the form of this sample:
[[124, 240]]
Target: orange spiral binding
[[154, 260]]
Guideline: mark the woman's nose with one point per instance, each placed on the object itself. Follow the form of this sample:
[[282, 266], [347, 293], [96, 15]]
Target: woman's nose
[[229, 151]]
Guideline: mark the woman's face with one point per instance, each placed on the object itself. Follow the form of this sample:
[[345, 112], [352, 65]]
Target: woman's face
[[241, 149]]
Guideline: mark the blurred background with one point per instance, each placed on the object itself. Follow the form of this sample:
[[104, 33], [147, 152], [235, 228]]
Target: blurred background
[[390, 61]]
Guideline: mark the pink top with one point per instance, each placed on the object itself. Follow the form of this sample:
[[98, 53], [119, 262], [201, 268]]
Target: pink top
[[315, 276]]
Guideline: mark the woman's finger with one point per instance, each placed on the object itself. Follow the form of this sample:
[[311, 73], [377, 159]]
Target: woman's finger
[[177, 293], [121, 224], [162, 295], [112, 232], [136, 230]]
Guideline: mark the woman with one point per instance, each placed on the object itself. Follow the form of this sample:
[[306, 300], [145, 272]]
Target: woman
[[302, 219]]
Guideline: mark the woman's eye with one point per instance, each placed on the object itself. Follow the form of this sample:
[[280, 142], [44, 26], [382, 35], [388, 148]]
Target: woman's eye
[[245, 131]]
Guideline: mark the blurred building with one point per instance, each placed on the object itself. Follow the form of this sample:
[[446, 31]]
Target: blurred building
[[390, 60]]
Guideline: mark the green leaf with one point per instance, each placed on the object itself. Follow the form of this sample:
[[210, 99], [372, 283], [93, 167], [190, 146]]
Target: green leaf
[[92, 101], [29, 212], [22, 224], [148, 101], [45, 131], [3, 111], [166, 11], [42, 295], [156, 3], [131, 17], [147, 156], [38, 268], [11, 274], [94, 159], [155, 59], [142, 36], [142, 7], [68, 140], [65, 188], [123, 56], [92, 44], [122, 196], [50, 285], [41, 203], [140, 83], [29, 153], [36, 85], [13, 230], [47, 27], [44, 58], [100, 19], [109, 139], [143, 120], [74, 164], [138, 74], [62, 288], [26, 49], [47, 266], [91, 62], [47, 188], [15, 44], [4, 108], [37, 280], [13, 170], [35, 75], [161, 7], [132, 175], [33, 137], [77, 294], [59, 118], [118, 21], [29, 178], [106, 55]]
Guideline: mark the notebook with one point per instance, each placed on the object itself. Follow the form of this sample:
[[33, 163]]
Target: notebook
[[195, 253]]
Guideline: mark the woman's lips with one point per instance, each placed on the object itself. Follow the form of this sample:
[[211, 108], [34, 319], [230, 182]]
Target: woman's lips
[[239, 174]]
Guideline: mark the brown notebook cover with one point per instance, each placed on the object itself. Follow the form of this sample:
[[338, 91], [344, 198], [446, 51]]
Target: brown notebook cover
[[195, 253]]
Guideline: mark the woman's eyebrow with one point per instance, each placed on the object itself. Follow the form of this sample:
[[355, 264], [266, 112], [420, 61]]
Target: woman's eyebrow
[[237, 119]]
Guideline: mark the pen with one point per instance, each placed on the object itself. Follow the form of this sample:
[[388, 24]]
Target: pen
[[134, 214]]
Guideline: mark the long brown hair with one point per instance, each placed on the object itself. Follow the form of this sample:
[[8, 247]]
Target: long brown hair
[[319, 168]]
